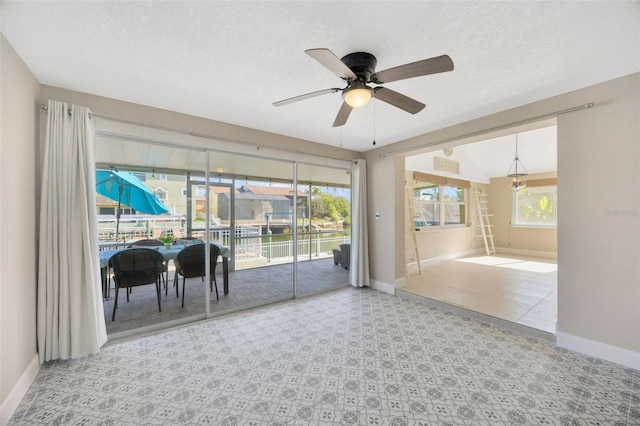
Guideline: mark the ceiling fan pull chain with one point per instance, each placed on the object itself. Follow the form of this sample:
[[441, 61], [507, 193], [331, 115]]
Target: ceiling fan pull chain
[[374, 122]]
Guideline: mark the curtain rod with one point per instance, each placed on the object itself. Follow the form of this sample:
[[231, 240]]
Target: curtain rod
[[258, 146], [205, 136], [46, 108], [491, 129]]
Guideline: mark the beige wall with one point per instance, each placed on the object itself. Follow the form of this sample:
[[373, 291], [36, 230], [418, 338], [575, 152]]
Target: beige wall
[[383, 247], [598, 229], [437, 242], [442, 241], [144, 115], [18, 115], [519, 238], [598, 189], [434, 243]]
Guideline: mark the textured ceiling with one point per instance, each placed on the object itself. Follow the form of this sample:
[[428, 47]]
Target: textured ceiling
[[229, 61]]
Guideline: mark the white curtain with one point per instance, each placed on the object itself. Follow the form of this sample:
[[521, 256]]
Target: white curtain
[[359, 268], [70, 312]]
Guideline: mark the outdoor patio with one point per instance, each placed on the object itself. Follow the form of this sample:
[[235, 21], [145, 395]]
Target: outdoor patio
[[247, 288]]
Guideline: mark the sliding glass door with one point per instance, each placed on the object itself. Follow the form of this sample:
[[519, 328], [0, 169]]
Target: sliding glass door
[[256, 211], [324, 228], [165, 224], [279, 229]]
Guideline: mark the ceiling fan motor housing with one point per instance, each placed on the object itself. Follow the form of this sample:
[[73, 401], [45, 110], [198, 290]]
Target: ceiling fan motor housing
[[362, 64]]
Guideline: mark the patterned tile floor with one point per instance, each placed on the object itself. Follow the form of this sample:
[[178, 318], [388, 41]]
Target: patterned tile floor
[[349, 356]]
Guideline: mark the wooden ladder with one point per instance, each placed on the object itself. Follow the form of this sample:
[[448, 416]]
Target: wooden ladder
[[482, 211], [412, 253]]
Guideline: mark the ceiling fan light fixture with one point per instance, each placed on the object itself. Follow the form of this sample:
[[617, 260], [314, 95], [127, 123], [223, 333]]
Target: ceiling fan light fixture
[[357, 95], [358, 69]]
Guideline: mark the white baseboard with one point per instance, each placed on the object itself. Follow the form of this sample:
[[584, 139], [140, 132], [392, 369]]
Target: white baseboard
[[383, 287], [481, 252], [478, 251], [401, 282], [600, 350], [533, 253], [10, 404]]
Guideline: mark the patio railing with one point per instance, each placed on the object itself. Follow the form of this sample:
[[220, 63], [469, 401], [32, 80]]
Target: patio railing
[[254, 249], [316, 247]]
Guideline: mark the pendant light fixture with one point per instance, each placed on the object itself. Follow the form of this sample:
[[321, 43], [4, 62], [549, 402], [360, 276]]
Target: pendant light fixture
[[517, 171]]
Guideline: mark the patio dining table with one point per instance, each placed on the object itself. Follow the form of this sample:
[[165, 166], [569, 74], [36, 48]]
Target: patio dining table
[[168, 254]]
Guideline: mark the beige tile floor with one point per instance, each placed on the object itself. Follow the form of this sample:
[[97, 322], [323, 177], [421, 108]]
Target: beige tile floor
[[519, 289]]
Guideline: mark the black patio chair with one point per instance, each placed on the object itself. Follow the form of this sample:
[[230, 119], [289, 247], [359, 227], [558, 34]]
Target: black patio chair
[[153, 243], [190, 263], [135, 267]]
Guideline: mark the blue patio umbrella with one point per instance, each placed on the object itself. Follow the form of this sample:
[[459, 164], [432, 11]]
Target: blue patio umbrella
[[127, 189]]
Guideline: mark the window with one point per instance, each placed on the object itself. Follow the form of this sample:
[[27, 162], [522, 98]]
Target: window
[[453, 201], [427, 205], [184, 192], [161, 194], [141, 176], [534, 206], [112, 210], [435, 205]]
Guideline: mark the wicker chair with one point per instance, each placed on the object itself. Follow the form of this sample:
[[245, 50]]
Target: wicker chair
[[153, 243], [135, 267], [190, 262]]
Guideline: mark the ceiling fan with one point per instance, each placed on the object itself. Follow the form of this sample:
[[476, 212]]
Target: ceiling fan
[[358, 69]]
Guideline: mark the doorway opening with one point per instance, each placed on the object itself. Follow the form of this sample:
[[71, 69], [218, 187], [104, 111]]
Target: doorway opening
[[517, 282]]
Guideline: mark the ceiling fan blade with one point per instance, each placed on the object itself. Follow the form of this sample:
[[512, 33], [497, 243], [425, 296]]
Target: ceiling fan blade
[[332, 63], [398, 100], [306, 96], [343, 115], [415, 69]]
